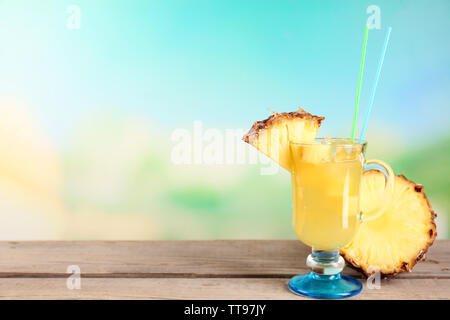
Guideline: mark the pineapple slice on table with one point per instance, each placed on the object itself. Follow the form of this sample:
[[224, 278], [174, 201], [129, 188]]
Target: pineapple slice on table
[[271, 136], [398, 239]]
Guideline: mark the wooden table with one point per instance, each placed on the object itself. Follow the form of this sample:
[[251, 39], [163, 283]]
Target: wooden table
[[223, 269]]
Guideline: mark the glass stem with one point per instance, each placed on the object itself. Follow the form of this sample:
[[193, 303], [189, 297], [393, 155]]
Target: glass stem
[[325, 262]]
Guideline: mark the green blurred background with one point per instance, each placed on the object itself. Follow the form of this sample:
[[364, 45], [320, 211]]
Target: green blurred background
[[88, 115]]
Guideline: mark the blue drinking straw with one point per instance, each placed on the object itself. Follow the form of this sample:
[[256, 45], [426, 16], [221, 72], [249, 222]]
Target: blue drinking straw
[[374, 88]]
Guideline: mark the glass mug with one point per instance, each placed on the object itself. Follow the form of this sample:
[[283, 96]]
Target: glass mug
[[326, 178]]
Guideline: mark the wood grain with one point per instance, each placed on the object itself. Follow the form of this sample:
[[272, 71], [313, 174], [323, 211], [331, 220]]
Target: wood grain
[[200, 259], [223, 269], [178, 288]]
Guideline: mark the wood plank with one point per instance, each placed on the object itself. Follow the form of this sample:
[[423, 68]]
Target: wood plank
[[177, 288], [201, 259]]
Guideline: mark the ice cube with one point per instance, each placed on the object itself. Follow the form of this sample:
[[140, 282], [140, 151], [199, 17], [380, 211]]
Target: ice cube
[[327, 141], [347, 152], [316, 153]]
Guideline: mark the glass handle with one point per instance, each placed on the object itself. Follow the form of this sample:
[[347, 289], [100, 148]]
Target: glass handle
[[389, 177]]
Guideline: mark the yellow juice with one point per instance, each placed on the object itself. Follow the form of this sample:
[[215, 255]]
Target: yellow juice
[[325, 197]]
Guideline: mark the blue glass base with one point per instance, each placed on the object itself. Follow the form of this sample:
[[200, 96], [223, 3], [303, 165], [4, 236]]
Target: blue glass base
[[334, 286]]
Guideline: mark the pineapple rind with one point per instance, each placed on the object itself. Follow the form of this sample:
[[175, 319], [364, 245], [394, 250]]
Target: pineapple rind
[[394, 242]]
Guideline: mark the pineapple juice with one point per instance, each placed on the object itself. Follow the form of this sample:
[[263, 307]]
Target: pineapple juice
[[326, 212]]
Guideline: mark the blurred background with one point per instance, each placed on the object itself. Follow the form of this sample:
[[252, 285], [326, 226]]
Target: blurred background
[[97, 97]]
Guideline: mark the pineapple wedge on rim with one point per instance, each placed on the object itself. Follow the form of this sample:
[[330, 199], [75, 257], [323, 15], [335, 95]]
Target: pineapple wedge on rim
[[398, 239], [271, 136]]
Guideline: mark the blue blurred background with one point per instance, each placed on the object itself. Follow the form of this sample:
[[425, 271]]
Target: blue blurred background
[[88, 114]]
